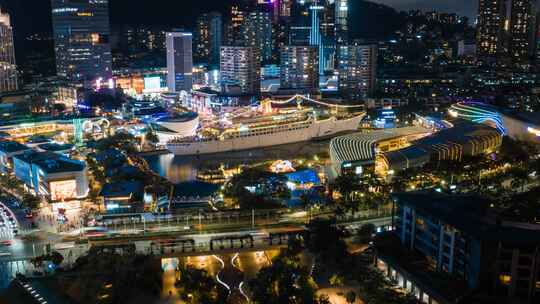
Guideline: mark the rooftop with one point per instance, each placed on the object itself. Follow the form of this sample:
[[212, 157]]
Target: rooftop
[[462, 133], [121, 189], [54, 147], [12, 147], [51, 162], [361, 146], [472, 214]]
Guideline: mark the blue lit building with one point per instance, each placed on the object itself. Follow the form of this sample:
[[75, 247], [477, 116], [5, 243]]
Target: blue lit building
[[522, 126], [9, 149], [386, 118], [52, 175], [315, 37]]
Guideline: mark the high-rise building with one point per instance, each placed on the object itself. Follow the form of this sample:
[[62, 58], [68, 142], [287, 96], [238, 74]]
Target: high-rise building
[[8, 69], [300, 68], [179, 61], [208, 37], [278, 8], [490, 28], [341, 21], [280, 38], [285, 7], [81, 36], [241, 66], [299, 35], [521, 32], [493, 254], [357, 65], [234, 26], [257, 32], [328, 17], [315, 37], [140, 39]]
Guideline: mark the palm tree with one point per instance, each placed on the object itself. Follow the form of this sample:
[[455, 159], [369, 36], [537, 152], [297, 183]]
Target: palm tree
[[519, 178], [346, 184]]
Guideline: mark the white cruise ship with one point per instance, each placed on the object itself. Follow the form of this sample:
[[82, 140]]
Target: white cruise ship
[[265, 131]]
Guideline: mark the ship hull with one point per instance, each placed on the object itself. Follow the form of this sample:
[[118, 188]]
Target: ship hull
[[318, 129]]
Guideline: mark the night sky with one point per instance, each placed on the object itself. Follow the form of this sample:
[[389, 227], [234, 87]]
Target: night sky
[[462, 7], [33, 16]]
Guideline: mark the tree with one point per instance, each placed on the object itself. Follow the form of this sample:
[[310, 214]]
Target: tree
[[345, 184], [365, 233], [350, 297], [199, 287], [37, 262], [56, 258], [130, 277], [305, 201], [285, 281], [30, 201], [151, 136], [326, 241], [520, 177], [59, 107], [122, 141], [255, 188], [336, 280]]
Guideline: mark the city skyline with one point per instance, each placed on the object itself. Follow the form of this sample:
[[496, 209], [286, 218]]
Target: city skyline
[[336, 151]]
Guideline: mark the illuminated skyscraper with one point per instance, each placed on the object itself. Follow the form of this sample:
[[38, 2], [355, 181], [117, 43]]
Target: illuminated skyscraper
[[315, 37], [8, 69], [521, 30], [234, 26], [299, 35], [257, 32], [81, 37], [342, 21], [300, 68], [357, 64], [208, 37], [241, 66], [285, 7], [179, 61], [490, 28]]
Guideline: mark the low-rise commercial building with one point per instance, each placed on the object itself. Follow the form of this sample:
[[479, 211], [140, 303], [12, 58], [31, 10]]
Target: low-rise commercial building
[[52, 175], [9, 149], [455, 143], [357, 152], [522, 126], [122, 197]]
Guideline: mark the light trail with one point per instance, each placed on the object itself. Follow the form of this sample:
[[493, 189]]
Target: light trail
[[241, 283], [217, 275], [234, 258], [242, 291]]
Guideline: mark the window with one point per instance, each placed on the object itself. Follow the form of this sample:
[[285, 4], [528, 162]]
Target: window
[[505, 279]]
